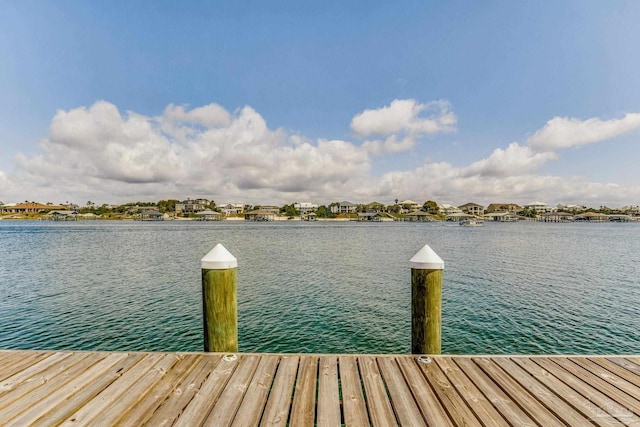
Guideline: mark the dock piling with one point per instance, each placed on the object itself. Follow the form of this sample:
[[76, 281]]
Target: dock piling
[[219, 300], [426, 302]]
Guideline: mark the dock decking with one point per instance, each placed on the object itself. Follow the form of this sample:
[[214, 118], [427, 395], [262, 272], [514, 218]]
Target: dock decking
[[188, 389]]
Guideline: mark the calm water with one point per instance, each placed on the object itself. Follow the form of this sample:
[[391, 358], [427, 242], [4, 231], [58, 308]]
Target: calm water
[[323, 287]]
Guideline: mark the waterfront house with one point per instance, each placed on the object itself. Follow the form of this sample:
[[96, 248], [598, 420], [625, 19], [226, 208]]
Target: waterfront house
[[501, 217], [503, 207], [192, 206], [555, 217], [209, 215], [592, 217], [29, 207], [375, 207], [472, 209], [273, 209], [305, 207], [369, 216], [539, 207], [457, 216], [571, 208], [409, 206], [311, 216], [259, 215], [630, 210], [150, 214], [620, 218], [233, 209], [62, 215], [420, 216], [448, 209], [343, 208]]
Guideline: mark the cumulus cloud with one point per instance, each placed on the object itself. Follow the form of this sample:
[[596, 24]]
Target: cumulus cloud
[[101, 153], [390, 145], [405, 116], [402, 123], [212, 115], [207, 150], [512, 161], [563, 132]]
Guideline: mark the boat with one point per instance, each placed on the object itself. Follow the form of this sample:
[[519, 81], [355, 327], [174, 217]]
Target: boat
[[471, 222]]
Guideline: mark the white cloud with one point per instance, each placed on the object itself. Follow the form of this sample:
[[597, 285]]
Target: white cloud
[[563, 132], [389, 145], [405, 116], [512, 161], [98, 153], [212, 115]]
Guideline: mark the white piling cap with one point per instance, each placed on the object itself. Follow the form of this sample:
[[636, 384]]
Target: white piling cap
[[218, 258], [426, 259]]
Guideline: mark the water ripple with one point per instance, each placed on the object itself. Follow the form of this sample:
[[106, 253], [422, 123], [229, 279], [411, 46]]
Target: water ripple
[[325, 288]]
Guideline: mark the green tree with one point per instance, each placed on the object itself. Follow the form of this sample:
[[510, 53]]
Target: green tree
[[431, 207], [289, 210], [167, 206], [324, 212]]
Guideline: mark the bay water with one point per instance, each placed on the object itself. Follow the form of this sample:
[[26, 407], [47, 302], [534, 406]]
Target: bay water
[[323, 287]]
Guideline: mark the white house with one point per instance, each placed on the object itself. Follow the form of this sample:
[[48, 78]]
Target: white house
[[571, 208], [233, 208], [305, 207], [539, 207], [472, 209], [448, 209], [630, 210], [409, 206], [344, 208]]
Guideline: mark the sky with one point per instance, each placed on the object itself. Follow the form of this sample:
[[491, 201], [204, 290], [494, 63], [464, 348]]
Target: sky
[[280, 102]]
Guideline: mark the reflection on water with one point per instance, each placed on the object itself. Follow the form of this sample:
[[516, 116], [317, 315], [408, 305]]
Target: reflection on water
[[321, 287]]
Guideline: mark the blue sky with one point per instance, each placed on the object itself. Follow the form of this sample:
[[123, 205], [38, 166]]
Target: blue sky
[[107, 101]]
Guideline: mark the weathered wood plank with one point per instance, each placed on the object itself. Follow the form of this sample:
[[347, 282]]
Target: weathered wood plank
[[138, 390], [502, 402], [454, 404], [49, 388], [569, 394], [174, 405], [278, 406], [602, 404], [402, 400], [624, 400], [32, 374], [608, 376], [229, 401], [517, 393], [353, 404], [39, 409], [198, 409], [303, 410], [30, 407], [140, 412], [63, 402], [19, 361], [113, 393], [627, 364], [483, 409], [618, 370], [253, 404], [328, 393], [547, 397], [380, 410]]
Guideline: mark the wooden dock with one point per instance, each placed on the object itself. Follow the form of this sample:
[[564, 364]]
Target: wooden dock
[[188, 389]]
